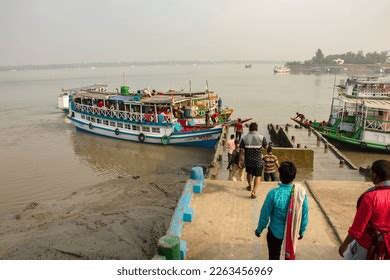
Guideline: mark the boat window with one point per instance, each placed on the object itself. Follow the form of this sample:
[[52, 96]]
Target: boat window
[[93, 120], [146, 128], [83, 117], [156, 129], [105, 122], [119, 125], [99, 120], [112, 123], [88, 118], [136, 127], [127, 126]]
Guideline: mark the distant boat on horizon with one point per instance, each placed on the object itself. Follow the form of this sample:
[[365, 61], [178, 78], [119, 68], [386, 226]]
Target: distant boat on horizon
[[281, 69], [248, 66]]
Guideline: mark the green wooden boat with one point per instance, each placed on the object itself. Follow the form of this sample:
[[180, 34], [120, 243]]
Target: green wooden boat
[[360, 114]]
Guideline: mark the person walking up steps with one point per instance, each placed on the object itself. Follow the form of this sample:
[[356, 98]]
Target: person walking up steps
[[235, 173], [250, 154], [230, 146]]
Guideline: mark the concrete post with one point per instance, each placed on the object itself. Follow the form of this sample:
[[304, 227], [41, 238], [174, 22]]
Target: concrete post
[[298, 146], [286, 128], [293, 138], [169, 247], [342, 162]]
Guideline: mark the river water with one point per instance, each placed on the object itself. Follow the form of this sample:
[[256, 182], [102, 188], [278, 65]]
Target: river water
[[42, 155]]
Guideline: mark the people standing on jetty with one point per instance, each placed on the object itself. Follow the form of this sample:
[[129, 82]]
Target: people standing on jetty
[[286, 210], [300, 116], [250, 154], [235, 172], [207, 119], [270, 165], [369, 235], [230, 146], [239, 129], [219, 104]]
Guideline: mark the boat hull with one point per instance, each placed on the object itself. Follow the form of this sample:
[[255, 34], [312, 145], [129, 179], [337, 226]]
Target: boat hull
[[207, 138], [357, 144]]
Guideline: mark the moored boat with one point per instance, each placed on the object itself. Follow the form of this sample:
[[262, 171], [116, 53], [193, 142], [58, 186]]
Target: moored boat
[[172, 118], [281, 69], [360, 114]]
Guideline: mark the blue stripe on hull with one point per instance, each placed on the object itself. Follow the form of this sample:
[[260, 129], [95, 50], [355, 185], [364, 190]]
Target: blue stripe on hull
[[201, 143]]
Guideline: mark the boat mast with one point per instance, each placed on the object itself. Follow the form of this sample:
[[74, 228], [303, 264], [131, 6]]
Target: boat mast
[[334, 87]]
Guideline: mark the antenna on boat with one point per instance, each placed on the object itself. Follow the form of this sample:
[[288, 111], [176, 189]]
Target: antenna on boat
[[334, 88], [190, 86], [123, 78], [334, 84], [207, 85]]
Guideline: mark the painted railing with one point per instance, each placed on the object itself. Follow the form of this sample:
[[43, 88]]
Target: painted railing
[[171, 246], [124, 115], [379, 125]]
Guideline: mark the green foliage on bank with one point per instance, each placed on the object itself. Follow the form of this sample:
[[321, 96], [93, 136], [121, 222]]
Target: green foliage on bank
[[349, 58]]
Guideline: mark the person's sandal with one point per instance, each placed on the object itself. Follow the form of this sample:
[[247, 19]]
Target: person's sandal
[[253, 195], [249, 188]]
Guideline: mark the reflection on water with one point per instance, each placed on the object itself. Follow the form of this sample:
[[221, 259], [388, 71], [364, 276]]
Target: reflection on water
[[119, 157]]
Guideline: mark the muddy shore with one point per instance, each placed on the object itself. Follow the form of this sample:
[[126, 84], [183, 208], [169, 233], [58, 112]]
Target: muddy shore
[[118, 219]]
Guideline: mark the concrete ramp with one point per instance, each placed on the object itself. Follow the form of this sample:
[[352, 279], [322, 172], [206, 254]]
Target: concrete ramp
[[226, 218]]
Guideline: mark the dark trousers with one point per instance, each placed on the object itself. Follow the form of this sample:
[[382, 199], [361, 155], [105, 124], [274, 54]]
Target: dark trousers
[[229, 157], [274, 246], [238, 135], [269, 176]]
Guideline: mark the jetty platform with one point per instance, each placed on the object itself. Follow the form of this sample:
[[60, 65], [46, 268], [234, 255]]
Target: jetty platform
[[226, 218]]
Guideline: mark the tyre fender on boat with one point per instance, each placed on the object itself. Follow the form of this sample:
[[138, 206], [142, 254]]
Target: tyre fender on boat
[[117, 131], [165, 139], [363, 145], [141, 137], [90, 125]]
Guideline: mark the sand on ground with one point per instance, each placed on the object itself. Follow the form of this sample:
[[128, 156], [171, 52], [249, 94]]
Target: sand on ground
[[118, 219]]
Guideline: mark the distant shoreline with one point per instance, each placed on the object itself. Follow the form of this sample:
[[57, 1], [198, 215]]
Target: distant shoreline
[[135, 63]]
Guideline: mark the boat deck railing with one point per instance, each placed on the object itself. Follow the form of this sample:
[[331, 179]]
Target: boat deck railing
[[119, 114], [378, 125]]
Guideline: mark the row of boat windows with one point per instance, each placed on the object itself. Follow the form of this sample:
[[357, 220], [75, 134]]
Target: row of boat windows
[[121, 125]]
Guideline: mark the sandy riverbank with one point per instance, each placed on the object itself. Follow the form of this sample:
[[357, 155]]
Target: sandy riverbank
[[118, 219]]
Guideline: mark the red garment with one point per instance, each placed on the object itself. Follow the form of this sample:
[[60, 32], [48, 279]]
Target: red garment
[[239, 127], [289, 250], [373, 210]]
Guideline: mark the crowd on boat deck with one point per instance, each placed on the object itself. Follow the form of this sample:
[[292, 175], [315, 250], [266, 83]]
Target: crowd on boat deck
[[285, 209]]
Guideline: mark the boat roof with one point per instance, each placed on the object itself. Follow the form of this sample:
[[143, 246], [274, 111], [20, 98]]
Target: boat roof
[[373, 82], [87, 87], [94, 94], [122, 97], [164, 99], [381, 104]]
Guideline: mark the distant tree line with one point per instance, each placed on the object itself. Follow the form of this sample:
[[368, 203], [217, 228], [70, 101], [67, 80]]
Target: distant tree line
[[349, 57]]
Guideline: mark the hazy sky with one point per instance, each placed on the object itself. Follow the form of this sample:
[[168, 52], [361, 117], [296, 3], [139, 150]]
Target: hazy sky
[[71, 31]]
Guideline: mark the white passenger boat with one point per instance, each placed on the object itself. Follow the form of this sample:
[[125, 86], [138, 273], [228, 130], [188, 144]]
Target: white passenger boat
[[281, 69], [147, 117]]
